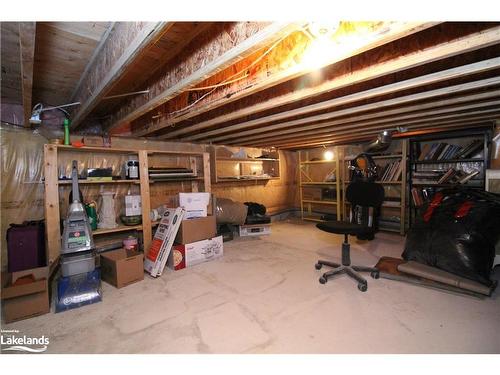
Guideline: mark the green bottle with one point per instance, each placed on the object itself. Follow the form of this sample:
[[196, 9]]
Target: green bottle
[[66, 131]]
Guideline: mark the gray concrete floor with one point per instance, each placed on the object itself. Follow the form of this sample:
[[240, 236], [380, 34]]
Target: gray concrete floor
[[263, 296]]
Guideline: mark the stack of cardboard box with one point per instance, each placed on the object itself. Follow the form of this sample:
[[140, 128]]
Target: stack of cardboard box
[[196, 239]]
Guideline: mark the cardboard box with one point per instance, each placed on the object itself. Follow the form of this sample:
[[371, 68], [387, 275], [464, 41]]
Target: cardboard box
[[28, 299], [196, 229], [195, 204], [188, 255], [122, 267]]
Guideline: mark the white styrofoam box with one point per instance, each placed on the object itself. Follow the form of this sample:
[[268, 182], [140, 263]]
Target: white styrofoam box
[[197, 252], [133, 205], [195, 204], [254, 230]]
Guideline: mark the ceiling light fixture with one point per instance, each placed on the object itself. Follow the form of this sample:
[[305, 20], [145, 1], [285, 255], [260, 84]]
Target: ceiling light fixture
[[321, 47], [38, 109]]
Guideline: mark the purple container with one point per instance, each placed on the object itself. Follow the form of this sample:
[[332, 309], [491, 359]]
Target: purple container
[[26, 246]]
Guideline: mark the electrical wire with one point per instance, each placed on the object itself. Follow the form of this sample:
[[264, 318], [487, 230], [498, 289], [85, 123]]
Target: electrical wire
[[225, 82]]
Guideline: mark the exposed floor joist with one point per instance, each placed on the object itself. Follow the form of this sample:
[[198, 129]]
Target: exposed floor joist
[[390, 123], [312, 122], [429, 125], [441, 51], [414, 111], [395, 32], [383, 90], [483, 115], [123, 46], [220, 53]]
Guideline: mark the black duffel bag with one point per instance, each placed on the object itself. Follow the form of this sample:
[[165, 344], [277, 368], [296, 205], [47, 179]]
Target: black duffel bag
[[457, 232]]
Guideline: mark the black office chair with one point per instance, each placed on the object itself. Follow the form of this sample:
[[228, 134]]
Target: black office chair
[[364, 194]]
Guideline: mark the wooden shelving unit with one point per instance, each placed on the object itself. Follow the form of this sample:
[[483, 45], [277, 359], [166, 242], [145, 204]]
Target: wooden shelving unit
[[226, 168], [308, 173], [52, 155]]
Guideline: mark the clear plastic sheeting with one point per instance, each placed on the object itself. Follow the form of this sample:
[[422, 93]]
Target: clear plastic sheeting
[[22, 194]]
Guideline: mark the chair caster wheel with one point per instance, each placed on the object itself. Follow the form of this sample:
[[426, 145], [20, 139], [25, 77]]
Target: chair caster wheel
[[318, 266], [322, 280], [375, 274], [363, 287]]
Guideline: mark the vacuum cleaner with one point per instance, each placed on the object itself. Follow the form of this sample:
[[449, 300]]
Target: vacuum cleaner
[[77, 247]]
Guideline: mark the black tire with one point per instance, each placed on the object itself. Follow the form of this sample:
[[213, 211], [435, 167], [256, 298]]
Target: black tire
[[322, 280], [375, 274], [363, 287], [318, 266]]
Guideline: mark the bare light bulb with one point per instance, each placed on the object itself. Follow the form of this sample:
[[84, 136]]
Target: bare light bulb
[[328, 155]]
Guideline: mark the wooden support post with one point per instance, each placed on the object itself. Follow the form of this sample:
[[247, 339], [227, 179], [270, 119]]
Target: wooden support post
[[52, 215], [145, 199], [192, 165], [206, 172], [27, 50]]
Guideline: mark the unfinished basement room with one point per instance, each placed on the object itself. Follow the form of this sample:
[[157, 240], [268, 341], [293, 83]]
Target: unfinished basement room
[[250, 187]]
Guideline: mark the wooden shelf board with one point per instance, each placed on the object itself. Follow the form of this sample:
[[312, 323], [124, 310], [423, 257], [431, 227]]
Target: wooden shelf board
[[333, 203], [319, 162], [120, 228], [187, 179], [245, 160], [391, 206], [95, 149], [229, 179], [87, 182], [383, 182], [392, 156], [447, 161], [318, 183], [125, 150]]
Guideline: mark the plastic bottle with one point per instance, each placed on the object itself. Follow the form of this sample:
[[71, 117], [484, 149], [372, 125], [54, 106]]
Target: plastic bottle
[[66, 131]]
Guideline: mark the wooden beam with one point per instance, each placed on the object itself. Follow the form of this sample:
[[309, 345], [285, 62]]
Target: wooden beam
[[196, 68], [377, 91], [430, 127], [370, 118], [482, 114], [441, 51], [389, 34], [367, 107], [27, 31], [126, 42], [476, 115]]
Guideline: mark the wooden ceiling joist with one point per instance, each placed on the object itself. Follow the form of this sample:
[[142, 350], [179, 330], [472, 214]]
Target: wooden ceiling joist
[[368, 118], [483, 114], [384, 90], [304, 123], [222, 52], [441, 51], [366, 136], [396, 31], [370, 135], [125, 43], [393, 123]]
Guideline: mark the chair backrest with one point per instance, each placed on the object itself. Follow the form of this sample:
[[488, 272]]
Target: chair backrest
[[366, 194]]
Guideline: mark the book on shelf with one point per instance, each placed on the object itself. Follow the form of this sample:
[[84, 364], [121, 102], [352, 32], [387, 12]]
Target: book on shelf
[[470, 150], [391, 172], [447, 176], [467, 177]]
